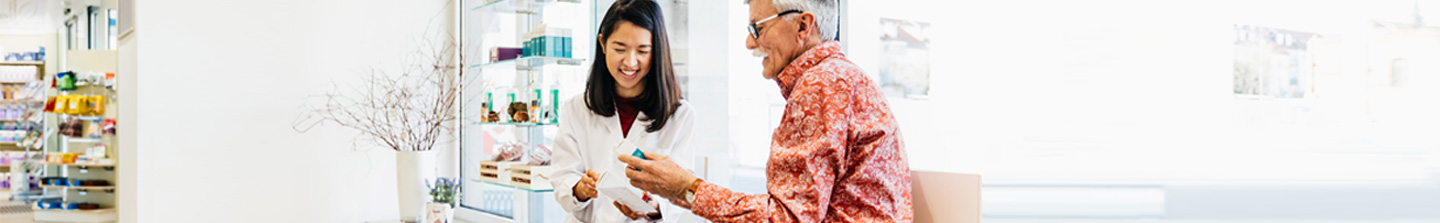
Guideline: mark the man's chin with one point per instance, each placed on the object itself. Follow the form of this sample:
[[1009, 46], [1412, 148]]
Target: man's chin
[[768, 75]]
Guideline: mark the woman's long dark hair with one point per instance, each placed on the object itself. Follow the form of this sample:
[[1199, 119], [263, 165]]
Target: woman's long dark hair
[[662, 90]]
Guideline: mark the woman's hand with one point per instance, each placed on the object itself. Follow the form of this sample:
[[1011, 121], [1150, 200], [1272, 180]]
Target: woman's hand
[[585, 189], [637, 215]]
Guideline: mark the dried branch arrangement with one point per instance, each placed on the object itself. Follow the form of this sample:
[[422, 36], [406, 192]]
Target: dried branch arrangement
[[408, 111]]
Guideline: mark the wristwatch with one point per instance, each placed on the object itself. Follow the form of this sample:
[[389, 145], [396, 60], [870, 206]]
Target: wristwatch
[[690, 192]]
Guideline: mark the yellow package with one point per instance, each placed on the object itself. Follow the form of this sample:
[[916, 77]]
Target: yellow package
[[62, 104], [78, 105], [97, 105]]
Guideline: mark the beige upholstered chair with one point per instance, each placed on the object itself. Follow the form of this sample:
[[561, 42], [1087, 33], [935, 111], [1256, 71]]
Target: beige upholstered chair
[[945, 197]]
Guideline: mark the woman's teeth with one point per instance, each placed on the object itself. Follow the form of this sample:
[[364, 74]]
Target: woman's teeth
[[629, 72]]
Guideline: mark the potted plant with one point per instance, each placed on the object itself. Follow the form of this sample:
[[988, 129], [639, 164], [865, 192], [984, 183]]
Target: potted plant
[[408, 112], [441, 208]]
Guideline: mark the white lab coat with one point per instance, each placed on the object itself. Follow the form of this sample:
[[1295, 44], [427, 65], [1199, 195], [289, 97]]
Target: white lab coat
[[587, 141]]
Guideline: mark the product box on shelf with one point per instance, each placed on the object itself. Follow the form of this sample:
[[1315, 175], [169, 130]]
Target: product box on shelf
[[504, 174], [530, 177], [505, 53], [547, 42], [491, 171], [61, 158]]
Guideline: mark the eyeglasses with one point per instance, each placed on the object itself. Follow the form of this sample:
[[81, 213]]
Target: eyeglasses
[[755, 32]]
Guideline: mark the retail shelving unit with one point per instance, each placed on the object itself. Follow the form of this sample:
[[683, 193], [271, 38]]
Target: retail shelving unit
[[99, 169], [546, 80], [32, 105]]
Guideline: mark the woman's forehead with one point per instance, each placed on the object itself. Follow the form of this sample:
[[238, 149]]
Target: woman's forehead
[[629, 34]]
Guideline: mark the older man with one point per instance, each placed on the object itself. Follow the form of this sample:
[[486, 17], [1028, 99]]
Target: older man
[[837, 155]]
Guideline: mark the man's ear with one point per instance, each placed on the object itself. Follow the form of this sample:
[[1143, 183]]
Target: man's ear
[[806, 21]]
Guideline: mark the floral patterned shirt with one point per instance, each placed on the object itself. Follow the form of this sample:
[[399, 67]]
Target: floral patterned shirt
[[837, 155]]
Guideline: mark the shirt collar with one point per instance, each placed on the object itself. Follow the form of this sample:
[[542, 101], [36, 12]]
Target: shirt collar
[[792, 73]]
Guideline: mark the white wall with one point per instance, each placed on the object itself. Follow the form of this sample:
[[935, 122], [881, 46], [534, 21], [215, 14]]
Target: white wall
[[219, 84], [32, 42], [128, 169], [1120, 91]]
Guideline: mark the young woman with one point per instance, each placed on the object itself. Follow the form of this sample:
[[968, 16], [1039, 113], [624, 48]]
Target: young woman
[[632, 95]]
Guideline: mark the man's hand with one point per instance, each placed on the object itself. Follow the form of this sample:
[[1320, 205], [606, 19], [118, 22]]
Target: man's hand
[[585, 189], [660, 176]]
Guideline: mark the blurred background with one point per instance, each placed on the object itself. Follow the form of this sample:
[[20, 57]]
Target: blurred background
[[1128, 111], [1150, 111]]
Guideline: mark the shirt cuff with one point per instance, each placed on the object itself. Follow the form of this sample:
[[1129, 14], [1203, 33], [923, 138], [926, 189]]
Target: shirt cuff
[[569, 192], [705, 197]]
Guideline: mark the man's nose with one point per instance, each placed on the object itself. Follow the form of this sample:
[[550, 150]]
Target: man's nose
[[750, 43]]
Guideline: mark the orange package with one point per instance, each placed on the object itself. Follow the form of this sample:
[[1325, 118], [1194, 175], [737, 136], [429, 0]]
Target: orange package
[[97, 105], [50, 105]]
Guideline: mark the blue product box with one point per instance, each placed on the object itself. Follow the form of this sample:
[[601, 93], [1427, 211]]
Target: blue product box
[[539, 46], [549, 46], [540, 49], [529, 48], [59, 182]]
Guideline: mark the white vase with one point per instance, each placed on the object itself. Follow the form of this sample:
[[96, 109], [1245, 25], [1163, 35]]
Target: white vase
[[439, 213], [412, 169]]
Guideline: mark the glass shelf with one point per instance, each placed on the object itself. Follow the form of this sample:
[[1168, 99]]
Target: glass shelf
[[84, 140], [517, 6], [84, 117], [80, 164], [79, 187], [528, 62], [511, 187], [514, 123]]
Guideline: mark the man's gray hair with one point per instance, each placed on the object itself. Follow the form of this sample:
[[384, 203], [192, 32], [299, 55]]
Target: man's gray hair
[[827, 16]]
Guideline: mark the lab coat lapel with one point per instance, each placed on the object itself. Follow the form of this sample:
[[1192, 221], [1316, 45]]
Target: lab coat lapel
[[637, 128], [609, 125]]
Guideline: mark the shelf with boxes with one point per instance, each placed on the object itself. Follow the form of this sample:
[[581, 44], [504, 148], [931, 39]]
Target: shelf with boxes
[[527, 50], [79, 164], [527, 62], [20, 72], [539, 110], [22, 93], [76, 184], [518, 175]]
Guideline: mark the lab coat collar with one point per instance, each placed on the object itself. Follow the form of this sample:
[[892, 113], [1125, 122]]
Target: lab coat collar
[[636, 128]]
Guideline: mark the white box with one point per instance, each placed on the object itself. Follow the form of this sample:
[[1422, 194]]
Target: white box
[[615, 185]]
